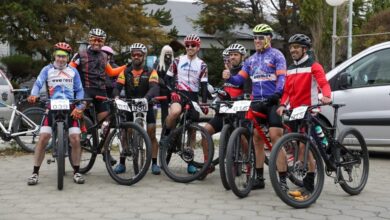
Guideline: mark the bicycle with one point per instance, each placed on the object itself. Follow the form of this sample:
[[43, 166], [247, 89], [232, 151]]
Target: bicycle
[[346, 158], [117, 143], [240, 158], [185, 146]]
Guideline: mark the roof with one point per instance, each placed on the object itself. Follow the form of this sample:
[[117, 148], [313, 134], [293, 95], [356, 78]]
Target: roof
[[183, 12]]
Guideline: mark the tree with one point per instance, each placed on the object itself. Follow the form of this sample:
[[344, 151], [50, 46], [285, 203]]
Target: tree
[[34, 26]]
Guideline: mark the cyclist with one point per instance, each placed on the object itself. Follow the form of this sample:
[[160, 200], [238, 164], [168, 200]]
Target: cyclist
[[305, 78], [267, 69], [140, 82], [188, 74], [62, 82], [110, 81], [165, 61]]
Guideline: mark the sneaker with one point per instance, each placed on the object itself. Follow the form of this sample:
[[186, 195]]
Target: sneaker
[[283, 186], [191, 169], [113, 161], [120, 168], [156, 169], [33, 179], [299, 194], [258, 183], [78, 178]]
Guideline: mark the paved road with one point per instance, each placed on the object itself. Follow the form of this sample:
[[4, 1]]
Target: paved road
[[157, 197]]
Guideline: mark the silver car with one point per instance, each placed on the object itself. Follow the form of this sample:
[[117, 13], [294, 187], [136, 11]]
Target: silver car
[[363, 84], [7, 97]]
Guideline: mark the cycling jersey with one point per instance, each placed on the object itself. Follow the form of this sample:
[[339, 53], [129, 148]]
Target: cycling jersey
[[190, 74], [267, 71], [304, 79], [61, 83]]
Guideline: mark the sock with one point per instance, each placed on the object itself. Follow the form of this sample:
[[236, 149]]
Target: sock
[[36, 169], [283, 177], [259, 172], [122, 160], [308, 181], [76, 169], [167, 131], [154, 160]]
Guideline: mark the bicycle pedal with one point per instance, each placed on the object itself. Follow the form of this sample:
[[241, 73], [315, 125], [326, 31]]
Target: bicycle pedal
[[49, 161]]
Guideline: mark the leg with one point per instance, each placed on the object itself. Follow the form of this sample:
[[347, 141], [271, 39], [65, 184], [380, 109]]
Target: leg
[[152, 136], [39, 154], [174, 113], [74, 139], [164, 111]]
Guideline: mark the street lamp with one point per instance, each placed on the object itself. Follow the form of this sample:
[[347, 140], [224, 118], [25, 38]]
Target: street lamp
[[334, 3]]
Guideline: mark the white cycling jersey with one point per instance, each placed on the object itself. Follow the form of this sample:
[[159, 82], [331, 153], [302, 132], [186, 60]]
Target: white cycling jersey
[[188, 73]]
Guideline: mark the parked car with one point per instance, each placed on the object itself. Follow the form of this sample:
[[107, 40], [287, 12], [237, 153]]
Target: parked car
[[7, 97], [363, 84]]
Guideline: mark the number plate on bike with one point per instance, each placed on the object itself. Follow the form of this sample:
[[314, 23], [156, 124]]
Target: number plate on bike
[[225, 109], [59, 104], [197, 107], [241, 106], [298, 113], [122, 105], [139, 105]]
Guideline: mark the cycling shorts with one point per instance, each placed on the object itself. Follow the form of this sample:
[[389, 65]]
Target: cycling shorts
[[100, 106], [74, 125], [273, 119]]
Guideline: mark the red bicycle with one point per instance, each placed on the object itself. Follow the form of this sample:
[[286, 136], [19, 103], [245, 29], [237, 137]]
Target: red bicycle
[[240, 155]]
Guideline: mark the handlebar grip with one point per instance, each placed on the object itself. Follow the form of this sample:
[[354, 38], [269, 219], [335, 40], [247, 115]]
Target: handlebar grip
[[102, 98], [160, 98]]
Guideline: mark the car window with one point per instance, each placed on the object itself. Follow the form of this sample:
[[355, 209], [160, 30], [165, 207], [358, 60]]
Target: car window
[[371, 70]]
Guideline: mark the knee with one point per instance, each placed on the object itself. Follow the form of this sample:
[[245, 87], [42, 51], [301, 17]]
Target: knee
[[74, 138]]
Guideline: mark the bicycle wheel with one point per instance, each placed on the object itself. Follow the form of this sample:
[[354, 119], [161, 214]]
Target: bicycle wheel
[[60, 154], [28, 141], [120, 144], [240, 162], [288, 152], [223, 141], [354, 161], [88, 143], [183, 160]]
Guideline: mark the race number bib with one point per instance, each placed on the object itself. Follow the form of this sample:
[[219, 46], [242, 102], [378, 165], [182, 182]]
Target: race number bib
[[241, 106], [139, 105], [298, 113], [122, 105], [225, 109], [59, 104], [197, 107]]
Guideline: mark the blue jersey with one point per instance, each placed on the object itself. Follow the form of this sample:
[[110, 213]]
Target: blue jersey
[[61, 83], [267, 71]]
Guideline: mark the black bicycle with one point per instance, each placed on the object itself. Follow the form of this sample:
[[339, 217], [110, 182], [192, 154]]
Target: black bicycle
[[189, 143], [119, 139], [346, 158]]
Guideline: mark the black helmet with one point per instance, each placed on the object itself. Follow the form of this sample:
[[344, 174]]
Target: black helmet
[[300, 39]]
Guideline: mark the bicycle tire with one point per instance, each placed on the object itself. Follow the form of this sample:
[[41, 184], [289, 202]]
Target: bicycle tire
[[28, 142], [357, 148], [88, 148], [237, 166], [283, 145], [60, 157], [174, 150], [114, 139], [223, 141]]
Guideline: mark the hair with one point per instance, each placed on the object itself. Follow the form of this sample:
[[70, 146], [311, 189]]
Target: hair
[[164, 50]]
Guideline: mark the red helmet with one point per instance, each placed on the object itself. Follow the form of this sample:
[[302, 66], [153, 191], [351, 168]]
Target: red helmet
[[192, 38], [63, 46]]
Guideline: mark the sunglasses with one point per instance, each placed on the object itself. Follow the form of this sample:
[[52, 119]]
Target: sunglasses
[[137, 55], [95, 39], [259, 37], [294, 46], [191, 45]]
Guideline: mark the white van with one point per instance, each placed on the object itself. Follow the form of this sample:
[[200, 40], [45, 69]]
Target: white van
[[363, 84]]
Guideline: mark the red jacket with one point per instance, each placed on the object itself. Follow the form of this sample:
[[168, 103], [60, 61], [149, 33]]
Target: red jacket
[[305, 79]]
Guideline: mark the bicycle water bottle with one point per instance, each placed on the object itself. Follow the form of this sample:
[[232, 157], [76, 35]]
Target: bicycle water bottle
[[321, 135], [104, 128]]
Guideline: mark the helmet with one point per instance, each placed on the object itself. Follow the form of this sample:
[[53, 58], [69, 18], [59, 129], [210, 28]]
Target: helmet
[[107, 49], [97, 32], [138, 46], [300, 39], [225, 53], [192, 38], [237, 48], [262, 29], [63, 46]]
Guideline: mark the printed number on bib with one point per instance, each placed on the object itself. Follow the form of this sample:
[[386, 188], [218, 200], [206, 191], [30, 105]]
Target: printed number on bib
[[59, 104], [122, 105], [139, 105]]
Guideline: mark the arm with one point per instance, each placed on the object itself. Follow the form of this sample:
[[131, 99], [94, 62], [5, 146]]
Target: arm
[[78, 89], [203, 82], [281, 70], [170, 76], [239, 78], [41, 80], [114, 71], [320, 77]]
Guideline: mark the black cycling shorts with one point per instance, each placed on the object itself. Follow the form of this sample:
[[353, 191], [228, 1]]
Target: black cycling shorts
[[193, 96], [273, 119], [217, 122], [100, 106]]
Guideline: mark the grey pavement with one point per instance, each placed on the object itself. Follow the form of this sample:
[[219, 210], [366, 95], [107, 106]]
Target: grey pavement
[[158, 197]]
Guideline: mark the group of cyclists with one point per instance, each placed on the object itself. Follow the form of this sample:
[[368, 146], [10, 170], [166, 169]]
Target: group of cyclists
[[271, 85]]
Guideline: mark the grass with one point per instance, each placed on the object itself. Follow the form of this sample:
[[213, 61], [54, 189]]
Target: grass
[[13, 150]]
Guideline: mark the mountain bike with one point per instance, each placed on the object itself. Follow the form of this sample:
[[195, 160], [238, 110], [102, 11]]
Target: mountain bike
[[185, 146], [345, 157]]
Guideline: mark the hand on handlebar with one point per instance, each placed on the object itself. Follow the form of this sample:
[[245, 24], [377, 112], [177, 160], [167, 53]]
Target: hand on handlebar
[[205, 109], [32, 99], [175, 97], [77, 113]]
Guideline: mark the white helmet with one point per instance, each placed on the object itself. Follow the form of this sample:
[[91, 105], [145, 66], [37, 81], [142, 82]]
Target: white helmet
[[138, 46], [97, 32], [237, 48]]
